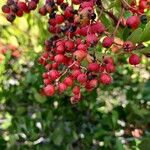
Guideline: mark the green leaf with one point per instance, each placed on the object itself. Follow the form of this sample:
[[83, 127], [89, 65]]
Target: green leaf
[[57, 136], [119, 145], [145, 144], [143, 50], [39, 98], [135, 36], [114, 118], [126, 33], [146, 33]]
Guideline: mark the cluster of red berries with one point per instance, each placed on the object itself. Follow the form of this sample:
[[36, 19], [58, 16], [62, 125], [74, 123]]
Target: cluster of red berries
[[140, 6], [70, 58], [15, 8], [4, 48]]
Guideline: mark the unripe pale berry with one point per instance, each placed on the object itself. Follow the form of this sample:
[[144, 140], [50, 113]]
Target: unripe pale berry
[[80, 55]]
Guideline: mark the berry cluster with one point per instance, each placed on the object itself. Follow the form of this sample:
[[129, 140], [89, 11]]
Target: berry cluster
[[15, 8], [70, 58], [4, 48], [139, 7]]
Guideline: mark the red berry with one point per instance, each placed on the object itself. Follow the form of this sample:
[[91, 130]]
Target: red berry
[[91, 39], [133, 22], [108, 60], [59, 19], [82, 78], [55, 65], [43, 11], [47, 81], [107, 42], [69, 45], [10, 17], [45, 75], [19, 13], [59, 1], [134, 59], [75, 73], [23, 6], [93, 67], [62, 87], [143, 4], [68, 81], [59, 58], [91, 84], [6, 9], [97, 27], [110, 68], [105, 78], [53, 74], [76, 90], [82, 47], [52, 22], [49, 90], [76, 2], [32, 5], [128, 46], [60, 49], [48, 66]]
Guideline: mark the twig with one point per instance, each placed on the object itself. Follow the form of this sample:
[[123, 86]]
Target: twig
[[119, 21], [57, 80]]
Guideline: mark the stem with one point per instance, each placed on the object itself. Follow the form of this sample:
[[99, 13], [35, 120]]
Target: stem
[[112, 16], [124, 2], [65, 71], [119, 21]]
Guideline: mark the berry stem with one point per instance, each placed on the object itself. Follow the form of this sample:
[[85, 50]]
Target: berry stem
[[57, 80], [119, 21]]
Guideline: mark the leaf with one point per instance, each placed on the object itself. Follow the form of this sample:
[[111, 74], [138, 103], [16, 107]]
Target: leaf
[[57, 136], [114, 118], [126, 33], [145, 144], [39, 98], [119, 145], [135, 36], [146, 34], [143, 50]]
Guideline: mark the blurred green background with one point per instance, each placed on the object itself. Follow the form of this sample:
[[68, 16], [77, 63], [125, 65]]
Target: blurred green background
[[114, 117]]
